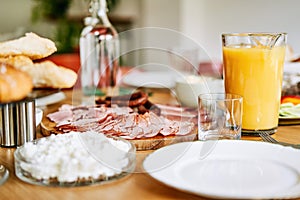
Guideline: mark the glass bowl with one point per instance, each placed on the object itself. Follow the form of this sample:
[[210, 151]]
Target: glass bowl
[[85, 159]]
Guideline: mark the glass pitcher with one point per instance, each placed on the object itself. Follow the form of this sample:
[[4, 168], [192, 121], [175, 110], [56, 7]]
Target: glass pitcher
[[253, 68]]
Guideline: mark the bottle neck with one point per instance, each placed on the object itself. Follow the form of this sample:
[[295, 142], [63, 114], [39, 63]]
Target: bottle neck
[[98, 10]]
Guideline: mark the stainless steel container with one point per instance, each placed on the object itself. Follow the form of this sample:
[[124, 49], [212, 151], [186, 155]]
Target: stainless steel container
[[17, 123]]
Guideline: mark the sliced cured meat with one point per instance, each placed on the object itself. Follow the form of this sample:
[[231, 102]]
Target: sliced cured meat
[[118, 121], [61, 117], [185, 128]]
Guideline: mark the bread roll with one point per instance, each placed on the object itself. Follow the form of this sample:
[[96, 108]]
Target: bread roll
[[48, 75], [14, 84], [44, 74], [31, 45], [17, 61]]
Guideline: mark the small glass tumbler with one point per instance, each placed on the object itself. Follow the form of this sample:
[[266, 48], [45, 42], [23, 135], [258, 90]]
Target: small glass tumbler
[[219, 116]]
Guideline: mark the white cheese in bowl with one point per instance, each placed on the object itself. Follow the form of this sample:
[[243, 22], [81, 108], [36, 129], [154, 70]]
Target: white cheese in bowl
[[75, 156]]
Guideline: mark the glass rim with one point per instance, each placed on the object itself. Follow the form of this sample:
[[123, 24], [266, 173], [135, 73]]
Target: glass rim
[[254, 34], [214, 96]]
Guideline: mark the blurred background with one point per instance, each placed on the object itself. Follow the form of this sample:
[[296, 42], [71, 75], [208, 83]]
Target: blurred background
[[203, 21]]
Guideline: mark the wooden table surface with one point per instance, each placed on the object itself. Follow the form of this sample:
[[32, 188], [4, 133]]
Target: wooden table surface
[[138, 185]]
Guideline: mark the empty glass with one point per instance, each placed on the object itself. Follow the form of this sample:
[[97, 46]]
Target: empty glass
[[220, 116]]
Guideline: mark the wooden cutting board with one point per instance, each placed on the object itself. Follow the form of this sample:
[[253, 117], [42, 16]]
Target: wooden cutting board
[[48, 127]]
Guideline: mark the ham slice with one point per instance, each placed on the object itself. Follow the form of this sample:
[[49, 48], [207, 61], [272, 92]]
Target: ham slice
[[61, 117], [118, 121]]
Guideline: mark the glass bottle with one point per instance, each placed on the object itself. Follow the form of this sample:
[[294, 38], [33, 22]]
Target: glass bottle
[[99, 53]]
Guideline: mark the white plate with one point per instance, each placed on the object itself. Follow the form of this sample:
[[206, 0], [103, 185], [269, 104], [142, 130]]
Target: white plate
[[292, 68], [233, 169], [151, 79], [38, 116], [50, 99]]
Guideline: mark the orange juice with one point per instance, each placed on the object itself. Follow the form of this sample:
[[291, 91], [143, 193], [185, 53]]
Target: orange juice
[[256, 74]]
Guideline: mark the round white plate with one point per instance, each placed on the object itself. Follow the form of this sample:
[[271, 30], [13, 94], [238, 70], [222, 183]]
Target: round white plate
[[292, 68], [50, 99], [151, 79], [233, 169], [38, 116]]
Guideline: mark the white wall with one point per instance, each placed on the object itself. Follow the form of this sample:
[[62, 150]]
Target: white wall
[[206, 20], [160, 13], [14, 14], [202, 20]]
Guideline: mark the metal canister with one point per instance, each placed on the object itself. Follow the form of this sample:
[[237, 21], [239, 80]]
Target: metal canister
[[17, 123]]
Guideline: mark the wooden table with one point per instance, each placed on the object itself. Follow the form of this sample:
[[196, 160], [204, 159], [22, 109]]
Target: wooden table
[[138, 185]]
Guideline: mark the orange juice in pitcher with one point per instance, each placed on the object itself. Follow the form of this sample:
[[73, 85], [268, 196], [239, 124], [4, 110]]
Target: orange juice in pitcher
[[253, 68]]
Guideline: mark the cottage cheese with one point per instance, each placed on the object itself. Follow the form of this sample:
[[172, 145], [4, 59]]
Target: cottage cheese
[[75, 156]]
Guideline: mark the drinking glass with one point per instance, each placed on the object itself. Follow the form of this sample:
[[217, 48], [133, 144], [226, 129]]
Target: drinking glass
[[253, 68], [219, 116]]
